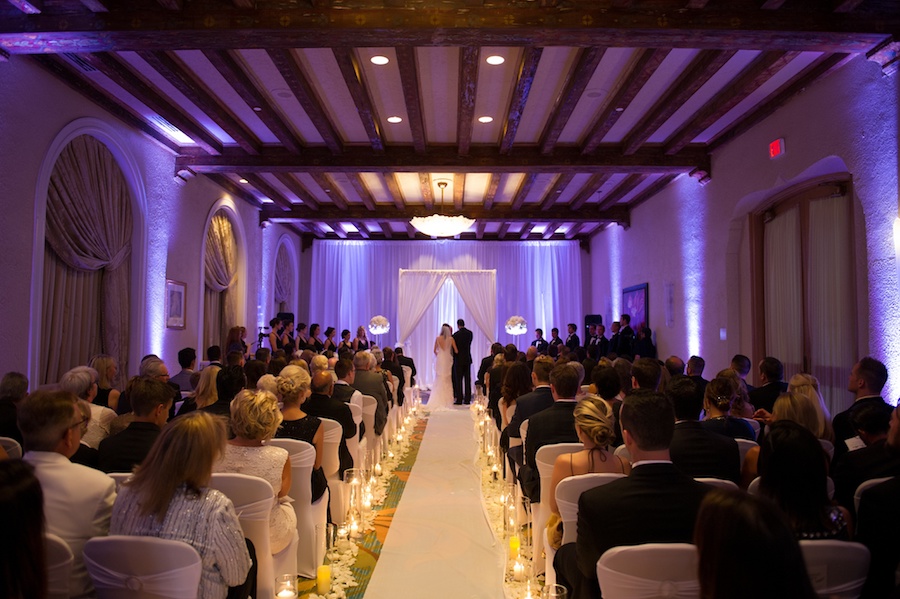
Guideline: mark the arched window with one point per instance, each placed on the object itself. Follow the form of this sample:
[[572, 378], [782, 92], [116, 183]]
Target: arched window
[[219, 295], [86, 304], [284, 281]]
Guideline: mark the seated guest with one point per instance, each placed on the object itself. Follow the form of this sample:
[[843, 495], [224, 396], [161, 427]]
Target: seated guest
[[878, 530], [293, 389], [22, 556], [556, 424], [187, 359], [205, 394], [494, 381], [739, 536], [255, 418], [486, 364], [368, 382], [645, 374], [254, 370], [229, 383], [318, 363], [793, 474], [867, 378], [695, 367], [740, 405], [594, 427], [718, 402], [880, 457], [623, 369], [694, 450], [263, 354], [674, 365], [390, 364], [150, 401], [82, 382], [808, 386], [771, 375], [85, 454], [13, 389], [234, 358], [77, 500], [275, 365], [343, 387], [404, 361], [605, 383], [321, 404], [517, 384], [107, 369], [169, 498], [656, 503], [214, 356], [741, 365], [152, 368]]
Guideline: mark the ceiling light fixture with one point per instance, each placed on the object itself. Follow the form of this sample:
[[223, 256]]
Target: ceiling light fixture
[[485, 119], [439, 225], [394, 119], [495, 60], [380, 60]]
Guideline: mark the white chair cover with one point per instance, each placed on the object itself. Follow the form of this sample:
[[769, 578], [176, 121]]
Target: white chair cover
[[407, 388], [253, 498], [12, 447], [837, 569], [754, 424], [119, 477], [59, 566], [622, 452], [828, 446], [649, 571], [142, 568], [303, 458], [744, 446], [717, 482], [523, 432], [353, 442], [331, 464], [866, 484], [373, 441], [540, 512]]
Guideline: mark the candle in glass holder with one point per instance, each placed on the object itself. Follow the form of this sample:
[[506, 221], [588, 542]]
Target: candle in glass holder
[[286, 587], [528, 594], [378, 469], [354, 529], [323, 579], [495, 471], [390, 455], [399, 437], [514, 545], [518, 571]]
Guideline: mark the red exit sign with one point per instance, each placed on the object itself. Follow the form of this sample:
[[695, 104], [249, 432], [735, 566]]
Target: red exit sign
[[776, 148]]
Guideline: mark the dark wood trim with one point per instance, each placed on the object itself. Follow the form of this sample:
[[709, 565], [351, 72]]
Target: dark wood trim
[[352, 72], [29, 7], [577, 81], [591, 187], [409, 79], [479, 229], [298, 189], [574, 230], [531, 57], [501, 232], [651, 191], [459, 190], [524, 190], [96, 5], [558, 188], [386, 229], [361, 229], [268, 190], [480, 160], [491, 192], [394, 189], [427, 190], [362, 191], [644, 67], [627, 185], [468, 79], [234, 74], [327, 185], [238, 191]]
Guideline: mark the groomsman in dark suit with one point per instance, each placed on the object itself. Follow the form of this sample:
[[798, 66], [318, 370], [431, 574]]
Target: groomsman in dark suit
[[462, 364], [572, 341], [656, 503], [554, 338], [626, 337], [614, 339], [590, 342], [539, 342], [602, 342]]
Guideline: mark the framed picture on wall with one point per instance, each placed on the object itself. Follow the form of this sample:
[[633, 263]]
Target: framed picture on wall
[[636, 303], [175, 291]]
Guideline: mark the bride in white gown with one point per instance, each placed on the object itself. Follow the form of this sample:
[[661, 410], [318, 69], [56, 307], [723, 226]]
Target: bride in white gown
[[442, 391]]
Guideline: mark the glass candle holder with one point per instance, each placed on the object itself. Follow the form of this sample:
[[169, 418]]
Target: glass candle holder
[[286, 587]]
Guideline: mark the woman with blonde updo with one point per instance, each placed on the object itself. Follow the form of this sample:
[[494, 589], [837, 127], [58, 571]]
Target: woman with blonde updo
[[595, 427], [293, 388], [718, 402], [741, 406], [254, 419]]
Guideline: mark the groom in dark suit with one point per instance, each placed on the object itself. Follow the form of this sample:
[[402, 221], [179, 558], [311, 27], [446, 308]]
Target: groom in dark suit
[[462, 364]]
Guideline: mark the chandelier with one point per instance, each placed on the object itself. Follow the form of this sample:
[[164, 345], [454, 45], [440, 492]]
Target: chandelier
[[439, 225]]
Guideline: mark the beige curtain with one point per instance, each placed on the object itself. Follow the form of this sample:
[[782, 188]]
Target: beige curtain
[[284, 280], [784, 291], [86, 268], [220, 310]]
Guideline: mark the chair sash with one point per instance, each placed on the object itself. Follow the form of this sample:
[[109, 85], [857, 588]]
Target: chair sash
[[255, 511], [618, 585], [172, 583]]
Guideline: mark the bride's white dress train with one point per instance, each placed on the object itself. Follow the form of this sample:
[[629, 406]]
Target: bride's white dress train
[[441, 397]]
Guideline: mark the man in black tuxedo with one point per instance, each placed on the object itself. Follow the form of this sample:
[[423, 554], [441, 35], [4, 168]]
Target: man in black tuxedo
[[771, 373], [150, 402], [656, 503], [391, 364], [615, 335], [404, 361], [590, 342], [554, 338], [599, 345], [555, 424], [539, 342], [462, 364], [486, 364], [695, 367], [867, 379], [321, 404], [530, 404], [694, 450], [572, 340], [626, 337]]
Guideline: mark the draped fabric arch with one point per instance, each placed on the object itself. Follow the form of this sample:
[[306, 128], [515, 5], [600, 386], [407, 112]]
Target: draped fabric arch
[[220, 261], [86, 260], [284, 281]]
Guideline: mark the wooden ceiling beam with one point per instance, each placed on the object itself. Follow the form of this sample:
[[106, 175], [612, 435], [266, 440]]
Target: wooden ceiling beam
[[240, 192], [297, 82], [574, 230], [531, 57], [524, 190], [459, 190], [173, 5], [479, 229], [248, 4], [394, 190], [278, 27], [491, 193], [627, 185], [361, 228], [234, 74], [411, 231], [268, 190], [143, 90], [194, 90], [591, 187], [29, 7], [503, 213], [96, 5], [427, 190], [577, 81], [328, 186], [501, 232], [845, 6], [706, 64], [605, 159], [386, 229], [468, 79], [298, 189], [362, 191], [409, 80], [644, 67], [352, 72], [754, 75], [337, 228], [651, 191], [772, 4], [559, 186], [550, 231]]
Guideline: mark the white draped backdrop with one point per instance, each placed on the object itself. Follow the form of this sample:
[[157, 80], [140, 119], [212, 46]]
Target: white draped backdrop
[[352, 281]]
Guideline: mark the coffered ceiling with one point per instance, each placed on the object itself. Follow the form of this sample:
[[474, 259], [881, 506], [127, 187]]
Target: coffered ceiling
[[340, 117]]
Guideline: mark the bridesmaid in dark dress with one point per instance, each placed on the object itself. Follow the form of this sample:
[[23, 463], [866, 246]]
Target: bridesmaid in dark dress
[[360, 343], [293, 388], [314, 342], [345, 343], [329, 344]]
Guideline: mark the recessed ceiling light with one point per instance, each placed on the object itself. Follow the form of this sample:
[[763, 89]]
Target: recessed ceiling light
[[394, 119], [495, 60], [380, 60], [485, 119], [619, 109], [257, 109], [242, 180]]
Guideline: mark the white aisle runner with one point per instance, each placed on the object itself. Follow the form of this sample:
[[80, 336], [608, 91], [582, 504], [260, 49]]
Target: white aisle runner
[[439, 544]]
